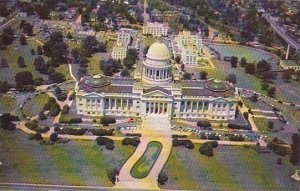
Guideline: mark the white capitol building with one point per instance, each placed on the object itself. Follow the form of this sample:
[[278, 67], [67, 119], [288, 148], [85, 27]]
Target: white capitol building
[[155, 92]]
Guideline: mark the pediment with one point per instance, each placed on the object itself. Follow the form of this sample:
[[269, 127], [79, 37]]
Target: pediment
[[156, 93]]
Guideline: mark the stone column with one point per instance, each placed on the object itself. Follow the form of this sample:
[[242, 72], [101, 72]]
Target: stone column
[[185, 106], [197, 107], [127, 104], [109, 103], [192, 103], [203, 107], [121, 104]]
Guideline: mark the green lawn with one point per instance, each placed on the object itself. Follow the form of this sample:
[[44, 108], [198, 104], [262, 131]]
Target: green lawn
[[74, 163], [110, 45], [64, 69], [94, 65], [143, 166], [147, 41], [7, 104], [11, 53], [35, 105], [231, 168]]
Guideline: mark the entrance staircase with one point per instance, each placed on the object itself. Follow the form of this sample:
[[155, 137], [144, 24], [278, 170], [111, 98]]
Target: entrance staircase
[[157, 126]]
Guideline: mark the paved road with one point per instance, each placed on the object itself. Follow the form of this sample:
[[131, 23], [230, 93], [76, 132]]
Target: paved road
[[279, 30]]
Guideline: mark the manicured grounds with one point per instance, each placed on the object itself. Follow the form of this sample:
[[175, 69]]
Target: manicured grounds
[[231, 168], [143, 166], [35, 105], [75, 163]]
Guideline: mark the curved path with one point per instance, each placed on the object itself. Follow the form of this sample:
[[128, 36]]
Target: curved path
[[154, 128]]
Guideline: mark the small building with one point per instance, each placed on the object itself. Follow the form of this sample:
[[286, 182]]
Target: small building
[[189, 47], [22, 14], [289, 64], [119, 51], [124, 36], [155, 29]]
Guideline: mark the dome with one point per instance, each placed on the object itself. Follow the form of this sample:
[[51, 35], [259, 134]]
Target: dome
[[96, 81], [217, 86], [158, 51]]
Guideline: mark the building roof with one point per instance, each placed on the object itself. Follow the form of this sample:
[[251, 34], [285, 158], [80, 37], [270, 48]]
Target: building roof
[[104, 84], [289, 62], [158, 51], [207, 88], [157, 88]]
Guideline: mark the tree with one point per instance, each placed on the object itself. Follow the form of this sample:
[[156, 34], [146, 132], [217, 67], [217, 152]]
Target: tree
[[91, 45], [287, 75], [271, 92], [23, 40], [125, 73], [243, 62], [21, 62], [8, 36], [162, 178], [234, 62], [32, 51], [264, 86], [69, 36], [295, 149], [177, 59], [187, 76], [4, 87], [129, 62], [270, 125], [42, 116], [262, 66], [182, 67], [105, 120], [250, 68], [297, 74], [39, 50], [53, 137], [203, 75], [6, 120], [231, 78], [23, 78], [3, 63]]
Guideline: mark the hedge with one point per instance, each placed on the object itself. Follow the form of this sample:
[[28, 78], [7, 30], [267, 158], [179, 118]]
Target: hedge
[[236, 138], [133, 134], [67, 119], [162, 178], [103, 132], [135, 141], [54, 110], [206, 149], [107, 120], [72, 131], [237, 126], [203, 123], [184, 142], [109, 143], [213, 137], [36, 136], [62, 97], [179, 136], [65, 109]]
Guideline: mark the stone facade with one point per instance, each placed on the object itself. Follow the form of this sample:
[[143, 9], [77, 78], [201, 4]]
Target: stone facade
[[156, 93], [156, 29]]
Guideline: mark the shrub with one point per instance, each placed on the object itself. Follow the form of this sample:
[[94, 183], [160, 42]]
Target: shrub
[[109, 143], [162, 178], [103, 132], [72, 95], [107, 120], [133, 134], [54, 137], [54, 110], [237, 126], [203, 123], [62, 96], [111, 174], [214, 144], [32, 124], [179, 136], [236, 138], [206, 149], [213, 137], [65, 109], [278, 149], [240, 103], [71, 131], [135, 141], [42, 116], [184, 142], [67, 119]]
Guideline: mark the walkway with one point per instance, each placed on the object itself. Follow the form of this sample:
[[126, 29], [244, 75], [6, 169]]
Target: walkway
[[154, 128]]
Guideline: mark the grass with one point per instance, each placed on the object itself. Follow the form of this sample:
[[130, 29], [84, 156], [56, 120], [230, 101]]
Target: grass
[[143, 166], [75, 163], [258, 170], [147, 41], [94, 65], [231, 168], [64, 69], [11, 53], [35, 105], [110, 45], [7, 104]]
